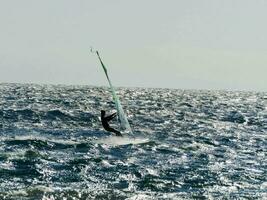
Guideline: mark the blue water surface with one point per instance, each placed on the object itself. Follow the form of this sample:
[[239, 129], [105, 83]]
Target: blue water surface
[[188, 144]]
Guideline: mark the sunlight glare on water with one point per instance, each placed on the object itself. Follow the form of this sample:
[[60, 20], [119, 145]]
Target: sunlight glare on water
[[188, 144]]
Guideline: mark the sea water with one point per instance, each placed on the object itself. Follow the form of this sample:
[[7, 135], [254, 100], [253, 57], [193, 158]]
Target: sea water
[[188, 144]]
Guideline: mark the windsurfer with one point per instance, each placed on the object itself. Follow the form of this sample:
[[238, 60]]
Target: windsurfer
[[106, 119]]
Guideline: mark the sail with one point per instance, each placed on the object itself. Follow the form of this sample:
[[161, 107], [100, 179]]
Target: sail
[[124, 124]]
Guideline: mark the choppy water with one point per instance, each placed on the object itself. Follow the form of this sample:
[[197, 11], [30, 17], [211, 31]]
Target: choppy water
[[189, 145]]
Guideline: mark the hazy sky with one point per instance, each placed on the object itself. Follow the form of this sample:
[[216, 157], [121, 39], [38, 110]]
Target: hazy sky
[[198, 44]]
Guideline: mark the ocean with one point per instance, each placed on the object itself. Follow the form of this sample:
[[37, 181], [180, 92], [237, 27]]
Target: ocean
[[187, 144]]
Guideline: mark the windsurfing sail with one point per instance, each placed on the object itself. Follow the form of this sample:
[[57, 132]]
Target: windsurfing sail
[[124, 124]]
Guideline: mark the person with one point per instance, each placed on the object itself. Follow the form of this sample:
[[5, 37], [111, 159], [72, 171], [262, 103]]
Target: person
[[106, 119]]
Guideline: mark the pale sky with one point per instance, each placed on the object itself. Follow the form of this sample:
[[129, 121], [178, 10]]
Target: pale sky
[[184, 44]]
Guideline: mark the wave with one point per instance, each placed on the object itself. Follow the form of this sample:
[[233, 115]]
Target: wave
[[235, 117], [190, 144], [79, 118]]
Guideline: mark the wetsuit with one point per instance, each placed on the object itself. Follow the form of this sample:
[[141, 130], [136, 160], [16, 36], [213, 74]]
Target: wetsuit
[[105, 124]]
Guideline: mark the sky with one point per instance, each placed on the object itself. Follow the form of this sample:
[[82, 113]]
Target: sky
[[183, 44]]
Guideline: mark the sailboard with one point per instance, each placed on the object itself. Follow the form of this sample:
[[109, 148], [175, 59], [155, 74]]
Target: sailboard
[[124, 124]]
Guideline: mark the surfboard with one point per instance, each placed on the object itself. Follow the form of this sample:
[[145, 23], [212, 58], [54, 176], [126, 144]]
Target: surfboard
[[118, 141], [122, 118]]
